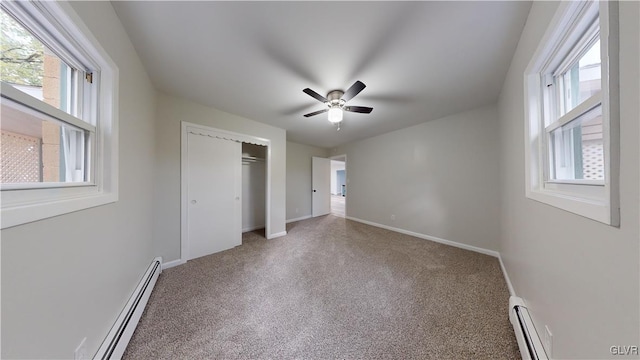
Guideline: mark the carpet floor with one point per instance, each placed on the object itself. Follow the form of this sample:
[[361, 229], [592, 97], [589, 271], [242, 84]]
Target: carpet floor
[[331, 288]]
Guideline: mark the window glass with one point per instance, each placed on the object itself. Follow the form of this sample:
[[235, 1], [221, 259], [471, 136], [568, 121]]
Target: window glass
[[34, 69], [37, 148], [577, 148], [582, 80]]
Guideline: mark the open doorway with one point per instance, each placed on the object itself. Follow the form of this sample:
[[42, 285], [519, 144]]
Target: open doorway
[[338, 185]]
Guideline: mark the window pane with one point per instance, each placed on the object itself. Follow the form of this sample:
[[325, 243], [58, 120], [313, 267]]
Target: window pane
[[36, 148], [577, 148], [34, 69], [583, 79]]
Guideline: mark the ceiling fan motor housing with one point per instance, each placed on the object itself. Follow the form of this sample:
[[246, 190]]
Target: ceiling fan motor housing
[[335, 98]]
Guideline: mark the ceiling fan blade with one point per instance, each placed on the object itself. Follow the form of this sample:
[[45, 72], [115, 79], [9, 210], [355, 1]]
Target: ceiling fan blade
[[353, 90], [316, 112], [315, 95], [358, 109]]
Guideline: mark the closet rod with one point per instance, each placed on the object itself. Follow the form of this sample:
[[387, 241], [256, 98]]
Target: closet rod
[[251, 158]]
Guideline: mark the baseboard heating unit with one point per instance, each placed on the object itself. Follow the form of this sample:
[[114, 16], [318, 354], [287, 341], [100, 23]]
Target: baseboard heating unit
[[116, 341], [528, 340]]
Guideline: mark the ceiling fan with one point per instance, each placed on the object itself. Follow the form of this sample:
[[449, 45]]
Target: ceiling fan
[[336, 102]]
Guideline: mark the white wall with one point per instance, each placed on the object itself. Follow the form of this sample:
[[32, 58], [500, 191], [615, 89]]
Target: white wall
[[171, 111], [68, 277], [299, 178], [578, 276], [438, 178]]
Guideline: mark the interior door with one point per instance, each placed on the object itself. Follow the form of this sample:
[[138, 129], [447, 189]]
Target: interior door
[[214, 210], [320, 185]]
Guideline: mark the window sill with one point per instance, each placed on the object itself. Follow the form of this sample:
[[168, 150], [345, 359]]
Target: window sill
[[576, 182], [24, 213], [595, 209]]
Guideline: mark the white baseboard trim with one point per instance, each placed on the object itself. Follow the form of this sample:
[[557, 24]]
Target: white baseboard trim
[[299, 219], [512, 292], [172, 263], [273, 236], [430, 238], [251, 228]]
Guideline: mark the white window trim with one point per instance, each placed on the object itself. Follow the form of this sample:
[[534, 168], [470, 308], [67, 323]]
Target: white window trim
[[28, 205], [600, 203]]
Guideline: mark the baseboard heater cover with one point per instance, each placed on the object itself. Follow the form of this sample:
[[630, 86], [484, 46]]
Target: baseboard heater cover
[[116, 341], [528, 340]]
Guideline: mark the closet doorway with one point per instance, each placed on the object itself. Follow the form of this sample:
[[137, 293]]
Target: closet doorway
[[224, 189], [253, 186]]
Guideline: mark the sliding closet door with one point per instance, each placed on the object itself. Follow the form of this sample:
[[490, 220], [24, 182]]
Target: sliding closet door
[[214, 186]]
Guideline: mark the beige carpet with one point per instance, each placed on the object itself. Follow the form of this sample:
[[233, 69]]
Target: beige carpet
[[330, 289]]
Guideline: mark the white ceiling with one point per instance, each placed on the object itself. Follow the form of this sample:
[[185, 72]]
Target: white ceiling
[[420, 60]]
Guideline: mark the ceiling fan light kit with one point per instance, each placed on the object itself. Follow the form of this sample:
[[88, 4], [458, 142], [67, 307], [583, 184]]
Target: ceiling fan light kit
[[335, 115], [335, 102]]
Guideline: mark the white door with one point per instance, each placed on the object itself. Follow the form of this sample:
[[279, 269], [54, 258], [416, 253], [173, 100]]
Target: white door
[[214, 210], [320, 186]]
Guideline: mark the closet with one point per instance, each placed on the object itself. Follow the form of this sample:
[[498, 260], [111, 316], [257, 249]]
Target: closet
[[223, 189], [253, 186]]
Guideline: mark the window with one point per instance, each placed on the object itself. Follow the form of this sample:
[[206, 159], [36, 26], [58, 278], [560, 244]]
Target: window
[[42, 145], [571, 102], [58, 106]]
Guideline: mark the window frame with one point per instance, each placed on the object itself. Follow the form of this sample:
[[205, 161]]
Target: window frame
[[562, 43], [43, 110], [58, 26]]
